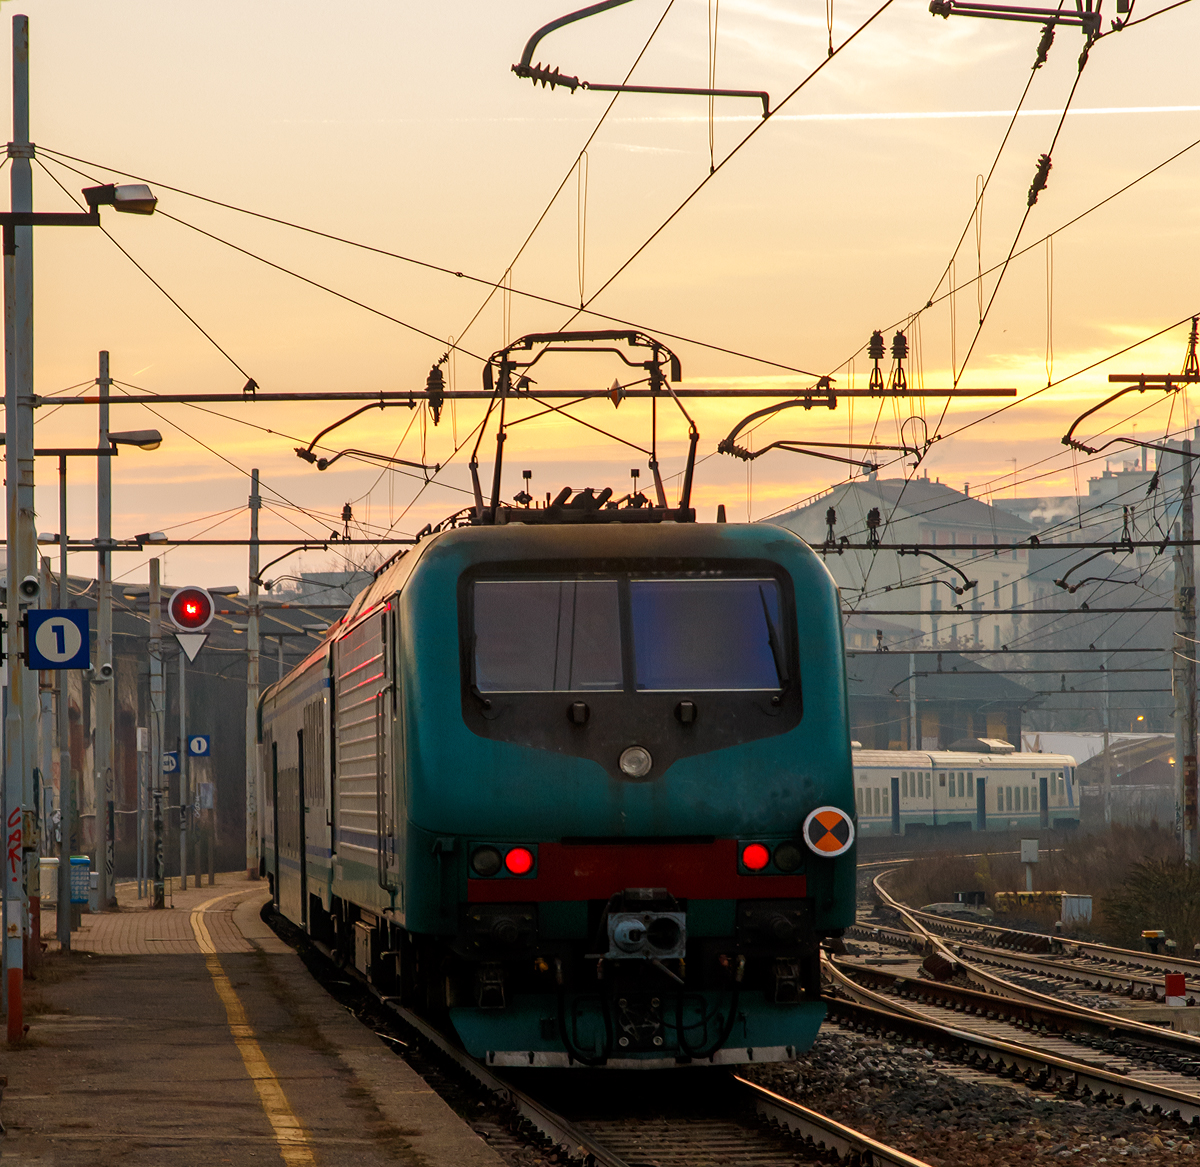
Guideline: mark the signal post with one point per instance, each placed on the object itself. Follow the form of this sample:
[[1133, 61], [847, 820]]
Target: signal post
[[191, 610]]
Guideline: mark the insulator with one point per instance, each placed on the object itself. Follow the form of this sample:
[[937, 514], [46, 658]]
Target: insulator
[[831, 517], [1039, 179], [873, 519], [899, 347], [1043, 49], [435, 388], [875, 346]]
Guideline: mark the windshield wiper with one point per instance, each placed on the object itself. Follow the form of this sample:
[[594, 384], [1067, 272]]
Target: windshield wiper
[[773, 641]]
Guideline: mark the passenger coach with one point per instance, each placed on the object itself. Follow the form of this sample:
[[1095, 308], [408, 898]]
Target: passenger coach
[[584, 791], [899, 792]]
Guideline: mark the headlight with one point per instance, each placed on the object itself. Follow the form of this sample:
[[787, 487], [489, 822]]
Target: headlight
[[636, 761], [485, 861]]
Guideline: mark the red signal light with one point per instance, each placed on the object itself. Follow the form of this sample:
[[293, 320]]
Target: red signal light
[[190, 609], [519, 861], [755, 856]]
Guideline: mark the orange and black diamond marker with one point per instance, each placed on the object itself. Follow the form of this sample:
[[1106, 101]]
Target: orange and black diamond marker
[[828, 831]]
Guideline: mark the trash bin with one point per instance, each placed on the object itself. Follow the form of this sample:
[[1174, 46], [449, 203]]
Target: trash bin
[[80, 878], [48, 880]]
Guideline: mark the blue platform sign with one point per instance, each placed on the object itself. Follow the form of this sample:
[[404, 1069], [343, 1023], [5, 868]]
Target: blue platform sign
[[199, 745], [58, 639], [170, 761]]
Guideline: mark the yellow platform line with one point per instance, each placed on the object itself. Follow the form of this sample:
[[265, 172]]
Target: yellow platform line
[[289, 1131]]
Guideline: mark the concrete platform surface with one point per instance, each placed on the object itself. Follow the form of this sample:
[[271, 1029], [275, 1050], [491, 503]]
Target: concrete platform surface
[[193, 1036]]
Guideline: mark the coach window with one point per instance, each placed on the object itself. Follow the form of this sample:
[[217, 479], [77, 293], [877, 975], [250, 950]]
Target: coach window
[[1024, 797], [904, 783], [970, 783], [886, 800], [1033, 798], [941, 779], [1008, 801], [999, 797], [876, 799]]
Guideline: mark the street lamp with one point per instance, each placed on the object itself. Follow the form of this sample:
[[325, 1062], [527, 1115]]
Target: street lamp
[[143, 439], [1140, 717], [131, 198]]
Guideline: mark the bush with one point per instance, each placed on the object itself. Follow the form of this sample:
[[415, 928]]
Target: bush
[[1107, 865], [1158, 893]]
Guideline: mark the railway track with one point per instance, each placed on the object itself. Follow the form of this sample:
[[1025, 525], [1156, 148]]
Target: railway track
[[708, 1115], [1108, 969], [1016, 1029]]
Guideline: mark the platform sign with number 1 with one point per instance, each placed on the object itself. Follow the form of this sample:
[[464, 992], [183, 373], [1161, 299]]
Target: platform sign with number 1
[[58, 639]]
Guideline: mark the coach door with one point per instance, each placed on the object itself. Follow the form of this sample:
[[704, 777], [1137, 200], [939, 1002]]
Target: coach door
[[895, 805], [981, 802], [1043, 800]]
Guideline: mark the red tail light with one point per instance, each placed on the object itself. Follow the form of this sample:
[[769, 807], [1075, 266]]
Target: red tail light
[[519, 861], [755, 856]]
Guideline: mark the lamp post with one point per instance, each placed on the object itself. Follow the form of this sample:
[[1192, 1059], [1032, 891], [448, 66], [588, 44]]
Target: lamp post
[[146, 440], [105, 698], [21, 719]]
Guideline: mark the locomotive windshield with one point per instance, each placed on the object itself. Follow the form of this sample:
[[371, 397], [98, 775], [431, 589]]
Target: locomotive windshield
[[547, 636], [564, 635]]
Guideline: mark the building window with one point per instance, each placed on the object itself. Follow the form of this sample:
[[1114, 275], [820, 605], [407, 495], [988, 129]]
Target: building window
[[1014, 588], [995, 635], [995, 593]]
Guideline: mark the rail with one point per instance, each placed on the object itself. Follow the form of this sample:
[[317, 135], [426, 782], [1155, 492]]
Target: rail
[[1005, 988], [815, 1128]]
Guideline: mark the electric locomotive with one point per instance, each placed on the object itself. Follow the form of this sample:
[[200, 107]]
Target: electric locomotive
[[582, 789]]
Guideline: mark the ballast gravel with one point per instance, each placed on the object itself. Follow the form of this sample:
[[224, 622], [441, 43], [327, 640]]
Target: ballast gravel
[[940, 1112]]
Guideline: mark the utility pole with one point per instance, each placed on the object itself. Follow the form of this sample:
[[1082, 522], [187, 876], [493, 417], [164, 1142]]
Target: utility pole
[[183, 771], [21, 551], [157, 708], [252, 684], [1183, 667], [66, 783], [1107, 749], [1186, 649], [105, 689], [914, 738]]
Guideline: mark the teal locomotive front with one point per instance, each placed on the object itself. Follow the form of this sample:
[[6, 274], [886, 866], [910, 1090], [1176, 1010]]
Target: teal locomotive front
[[585, 791]]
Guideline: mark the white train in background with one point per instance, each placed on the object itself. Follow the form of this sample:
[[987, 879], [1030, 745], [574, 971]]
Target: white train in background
[[903, 792]]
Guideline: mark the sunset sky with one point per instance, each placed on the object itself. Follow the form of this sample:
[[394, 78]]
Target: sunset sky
[[402, 127]]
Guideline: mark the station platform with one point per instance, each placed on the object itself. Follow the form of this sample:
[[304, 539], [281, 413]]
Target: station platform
[[194, 1036]]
